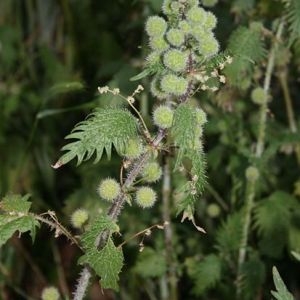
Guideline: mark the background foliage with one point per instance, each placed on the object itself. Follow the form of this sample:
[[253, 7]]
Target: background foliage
[[54, 55]]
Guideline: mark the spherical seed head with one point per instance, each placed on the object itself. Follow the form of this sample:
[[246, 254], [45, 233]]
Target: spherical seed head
[[174, 84], [175, 37], [175, 60], [201, 116], [109, 189], [50, 293], [209, 46], [252, 173], [185, 26], [213, 210], [79, 218], [196, 15], [133, 149], [151, 172], [210, 22], [153, 58], [163, 116], [156, 26], [259, 96], [158, 43], [156, 90], [145, 197], [166, 7]]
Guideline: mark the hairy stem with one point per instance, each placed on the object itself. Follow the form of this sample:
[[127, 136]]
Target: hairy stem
[[114, 212], [168, 232], [258, 153]]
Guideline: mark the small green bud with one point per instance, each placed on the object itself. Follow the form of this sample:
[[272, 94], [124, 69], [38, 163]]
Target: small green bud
[[145, 197], [153, 58], [173, 84], [213, 210], [259, 96], [166, 7], [210, 22], [201, 116], [198, 33], [50, 293], [175, 37], [192, 3], [156, 26], [252, 173], [158, 43], [109, 189], [209, 46], [185, 26], [133, 149], [163, 116], [151, 172], [175, 60], [156, 90], [79, 218], [196, 15]]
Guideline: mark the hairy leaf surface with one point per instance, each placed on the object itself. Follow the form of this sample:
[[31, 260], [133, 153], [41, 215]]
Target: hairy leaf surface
[[103, 129]]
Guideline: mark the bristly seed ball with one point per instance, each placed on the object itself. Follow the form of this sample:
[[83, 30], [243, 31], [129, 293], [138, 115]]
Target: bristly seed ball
[[145, 197], [50, 293], [175, 37], [156, 90], [79, 218], [259, 96], [109, 189], [196, 15], [163, 116], [151, 172], [210, 22], [133, 149], [201, 116], [175, 60], [252, 173], [156, 26], [209, 46], [174, 84], [158, 43]]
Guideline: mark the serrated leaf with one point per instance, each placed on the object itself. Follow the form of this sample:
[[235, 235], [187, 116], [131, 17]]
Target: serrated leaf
[[274, 212], [252, 277], [282, 292], [15, 203], [247, 48], [10, 224], [103, 128], [151, 263], [107, 263], [293, 17], [183, 129], [229, 236], [88, 238], [205, 273]]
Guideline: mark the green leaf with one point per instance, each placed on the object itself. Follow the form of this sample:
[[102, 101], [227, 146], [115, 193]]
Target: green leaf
[[253, 276], [66, 87], [141, 75], [293, 17], [229, 236], [296, 255], [247, 48], [151, 263], [274, 212], [102, 223], [9, 224], [183, 129], [103, 129], [281, 292], [107, 263], [205, 274], [15, 203]]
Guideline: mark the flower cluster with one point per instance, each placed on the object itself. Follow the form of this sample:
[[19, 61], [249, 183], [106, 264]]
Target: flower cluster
[[179, 43]]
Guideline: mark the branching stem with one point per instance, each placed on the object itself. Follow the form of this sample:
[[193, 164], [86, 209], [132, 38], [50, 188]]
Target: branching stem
[[250, 196]]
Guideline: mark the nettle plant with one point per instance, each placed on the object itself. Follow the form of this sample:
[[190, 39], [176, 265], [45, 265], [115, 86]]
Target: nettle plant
[[183, 59]]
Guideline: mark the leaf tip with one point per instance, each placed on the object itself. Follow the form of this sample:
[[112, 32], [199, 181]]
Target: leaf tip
[[57, 165]]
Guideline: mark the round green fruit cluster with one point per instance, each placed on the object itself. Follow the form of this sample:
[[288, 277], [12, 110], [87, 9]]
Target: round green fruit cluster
[[177, 43], [151, 172], [79, 218], [163, 116], [109, 189], [145, 197], [50, 293]]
